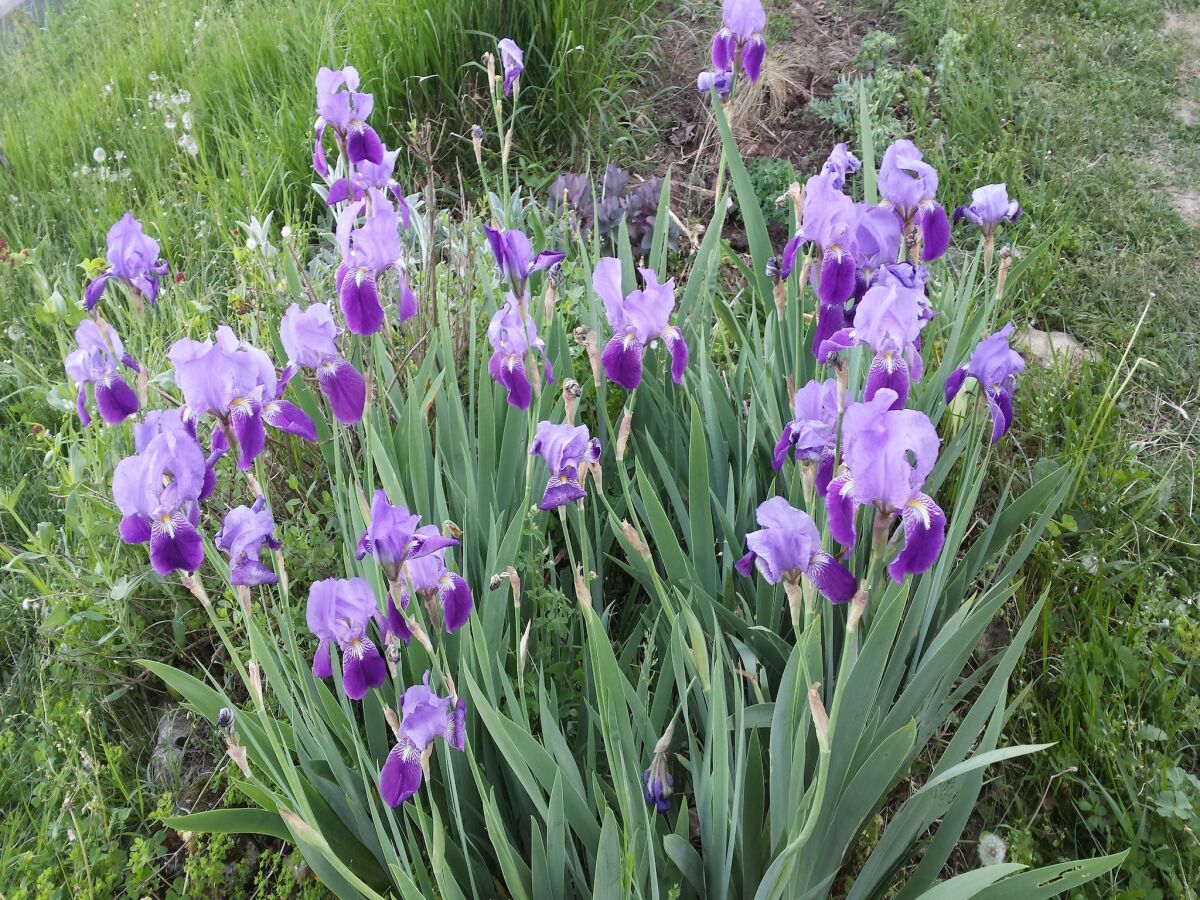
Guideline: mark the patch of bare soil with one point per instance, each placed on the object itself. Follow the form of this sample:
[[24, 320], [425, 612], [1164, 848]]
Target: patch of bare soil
[[1186, 28], [770, 118]]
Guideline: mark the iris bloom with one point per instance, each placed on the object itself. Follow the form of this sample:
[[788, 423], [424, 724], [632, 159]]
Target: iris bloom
[[428, 576], [887, 455], [512, 58], [658, 784], [233, 381], [909, 185], [339, 611], [244, 533], [722, 81], [788, 546], [425, 718], [172, 421], [514, 255], [309, 337], [157, 491], [368, 253], [366, 175], [740, 38], [394, 537], [876, 242], [511, 341], [637, 321], [828, 221], [811, 436], [95, 363], [989, 207], [341, 107], [995, 366], [132, 259], [888, 319], [841, 162], [566, 450]]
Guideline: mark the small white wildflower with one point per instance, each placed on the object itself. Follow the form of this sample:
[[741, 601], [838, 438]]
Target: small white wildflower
[[85, 170], [119, 155], [70, 835], [185, 97], [108, 89], [153, 76], [29, 603], [99, 155], [189, 145], [992, 849], [285, 232], [155, 99], [169, 122], [15, 333], [251, 244], [186, 119]]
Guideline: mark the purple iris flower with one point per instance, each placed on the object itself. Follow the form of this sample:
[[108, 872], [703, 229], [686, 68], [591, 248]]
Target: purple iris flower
[[514, 255], [173, 422], [888, 319], [366, 175], [428, 576], [887, 454], [511, 340], [157, 491], [346, 112], [512, 58], [245, 531], [566, 449], [995, 366], [233, 381], [876, 241], [425, 718], [309, 337], [368, 252], [740, 37], [829, 220], [989, 207], [394, 537], [658, 784], [909, 185], [95, 363], [811, 436], [722, 81], [637, 321], [132, 259], [788, 546], [339, 611], [841, 162]]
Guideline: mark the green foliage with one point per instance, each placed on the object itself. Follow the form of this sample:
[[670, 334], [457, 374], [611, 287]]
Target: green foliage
[[770, 177]]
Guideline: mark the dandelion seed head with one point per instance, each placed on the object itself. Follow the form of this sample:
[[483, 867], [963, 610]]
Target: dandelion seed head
[[992, 849]]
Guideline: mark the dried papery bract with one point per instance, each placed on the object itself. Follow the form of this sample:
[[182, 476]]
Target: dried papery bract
[[635, 541], [583, 593], [819, 716], [571, 394], [623, 433], [523, 649]]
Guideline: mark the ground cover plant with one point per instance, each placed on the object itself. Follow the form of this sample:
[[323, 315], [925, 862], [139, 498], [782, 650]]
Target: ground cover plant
[[459, 293], [405, 738]]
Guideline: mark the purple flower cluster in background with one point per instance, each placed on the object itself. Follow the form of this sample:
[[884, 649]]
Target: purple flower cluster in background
[[739, 46]]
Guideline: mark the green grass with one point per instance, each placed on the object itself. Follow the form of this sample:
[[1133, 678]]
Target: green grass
[[1070, 103]]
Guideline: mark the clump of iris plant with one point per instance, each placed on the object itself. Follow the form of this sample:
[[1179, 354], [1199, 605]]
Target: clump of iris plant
[[425, 717], [133, 260], [995, 366], [344, 110], [788, 546], [811, 435], [638, 320], [231, 380], [244, 533], [909, 185], [514, 338], [339, 613], [95, 363], [887, 454], [567, 450], [740, 45], [309, 337]]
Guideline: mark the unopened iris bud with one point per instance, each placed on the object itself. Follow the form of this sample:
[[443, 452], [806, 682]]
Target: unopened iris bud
[[494, 582], [588, 340], [819, 716], [523, 648], [551, 297], [623, 433], [477, 144], [657, 783], [225, 718], [571, 394], [635, 541]]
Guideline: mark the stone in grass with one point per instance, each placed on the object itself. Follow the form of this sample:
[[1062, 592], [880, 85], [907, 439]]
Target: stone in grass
[[1052, 349]]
